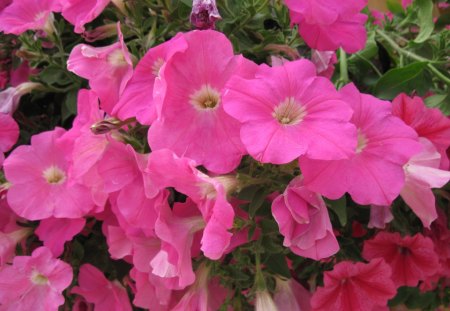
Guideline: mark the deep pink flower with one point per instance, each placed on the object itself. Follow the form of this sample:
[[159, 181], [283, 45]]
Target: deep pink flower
[[34, 282], [406, 3], [291, 296], [192, 122], [54, 232], [355, 286], [21, 74], [41, 171], [97, 289], [81, 12], [4, 4], [138, 99], [9, 133], [423, 173], [326, 25], [108, 69], [304, 222], [204, 14], [167, 170], [427, 122], [24, 15], [411, 258], [374, 174], [287, 111]]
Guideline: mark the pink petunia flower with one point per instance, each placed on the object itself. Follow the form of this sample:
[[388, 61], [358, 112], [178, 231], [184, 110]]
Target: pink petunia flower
[[138, 99], [34, 282], [54, 232], [423, 173], [355, 286], [380, 216], [291, 296], [165, 169], [108, 69], [304, 222], [374, 174], [81, 12], [204, 14], [192, 120], [429, 123], [326, 25], [324, 61], [41, 171], [411, 258], [97, 289], [24, 15], [9, 133], [287, 111], [9, 98]]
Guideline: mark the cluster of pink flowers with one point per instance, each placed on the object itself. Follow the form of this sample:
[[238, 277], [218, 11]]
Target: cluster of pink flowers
[[208, 108]]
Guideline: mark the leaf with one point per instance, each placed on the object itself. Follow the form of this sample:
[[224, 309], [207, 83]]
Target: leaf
[[69, 107], [394, 6], [397, 80], [277, 264], [425, 15], [339, 207], [439, 101], [257, 202]]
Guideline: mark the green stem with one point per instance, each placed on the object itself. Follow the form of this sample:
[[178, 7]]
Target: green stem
[[414, 56], [343, 66]]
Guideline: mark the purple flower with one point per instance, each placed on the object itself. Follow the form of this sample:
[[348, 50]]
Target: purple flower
[[204, 14]]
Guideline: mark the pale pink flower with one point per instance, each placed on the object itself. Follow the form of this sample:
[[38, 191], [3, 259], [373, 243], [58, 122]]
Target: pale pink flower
[[9, 133], [167, 170], [81, 12], [374, 174], [108, 69], [380, 216], [23, 15], [9, 98], [406, 3], [411, 258], [34, 282], [138, 99], [54, 232], [287, 111], [264, 301], [204, 14], [192, 122], [429, 123], [41, 171], [355, 286], [97, 289], [423, 173], [326, 25], [324, 61], [291, 296], [303, 220]]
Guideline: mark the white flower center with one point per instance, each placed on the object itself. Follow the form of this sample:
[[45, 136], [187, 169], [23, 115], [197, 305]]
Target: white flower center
[[117, 59], [54, 175], [156, 67], [289, 112], [207, 98], [38, 278], [362, 142]]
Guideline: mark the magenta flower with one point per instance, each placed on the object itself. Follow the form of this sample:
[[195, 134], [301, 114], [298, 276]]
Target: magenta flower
[[81, 12], [355, 286], [34, 282], [192, 122], [23, 15], [374, 174], [204, 14], [138, 99], [326, 25], [304, 222], [412, 258], [41, 171], [9, 133], [108, 69], [97, 289], [287, 111]]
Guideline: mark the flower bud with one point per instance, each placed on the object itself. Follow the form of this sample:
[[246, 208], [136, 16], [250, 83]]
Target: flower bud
[[204, 14]]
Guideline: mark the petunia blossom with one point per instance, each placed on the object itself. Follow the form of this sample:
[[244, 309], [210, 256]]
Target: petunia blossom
[[326, 25], [355, 286], [34, 282], [9, 133], [192, 120], [411, 258], [97, 289], [108, 69], [304, 222], [423, 173], [291, 296], [380, 216], [81, 12], [24, 15], [287, 111], [138, 99], [204, 14], [374, 174], [41, 171]]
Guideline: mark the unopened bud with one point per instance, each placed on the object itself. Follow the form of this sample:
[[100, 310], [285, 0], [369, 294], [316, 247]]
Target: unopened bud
[[101, 32], [204, 14], [106, 126]]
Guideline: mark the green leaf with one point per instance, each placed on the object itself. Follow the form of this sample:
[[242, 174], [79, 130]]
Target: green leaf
[[439, 101], [426, 24], [257, 202], [397, 80], [394, 6], [69, 107], [339, 207], [277, 264], [53, 75]]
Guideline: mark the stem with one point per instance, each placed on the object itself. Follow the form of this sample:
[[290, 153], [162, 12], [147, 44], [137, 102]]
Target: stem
[[414, 56], [343, 66]]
